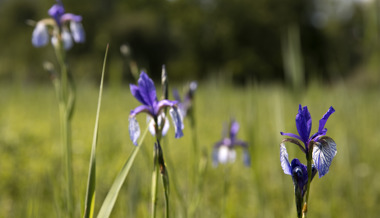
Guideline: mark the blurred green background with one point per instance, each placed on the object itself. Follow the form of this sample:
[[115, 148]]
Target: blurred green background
[[196, 39], [254, 60]]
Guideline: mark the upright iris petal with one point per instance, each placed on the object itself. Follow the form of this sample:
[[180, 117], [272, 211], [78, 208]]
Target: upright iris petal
[[56, 12], [303, 123]]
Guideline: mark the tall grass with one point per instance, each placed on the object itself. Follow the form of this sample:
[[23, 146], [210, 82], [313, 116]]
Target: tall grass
[[30, 167]]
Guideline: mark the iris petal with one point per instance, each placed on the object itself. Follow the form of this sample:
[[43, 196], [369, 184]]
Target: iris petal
[[40, 36], [77, 32], [134, 129], [147, 89], [323, 154], [322, 122], [285, 160], [234, 130], [177, 122], [303, 123]]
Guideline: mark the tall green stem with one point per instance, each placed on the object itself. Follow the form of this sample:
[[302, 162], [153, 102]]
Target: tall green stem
[[65, 120], [309, 174], [155, 180]]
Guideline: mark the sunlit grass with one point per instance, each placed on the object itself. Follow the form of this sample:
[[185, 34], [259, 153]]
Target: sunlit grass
[[30, 175]]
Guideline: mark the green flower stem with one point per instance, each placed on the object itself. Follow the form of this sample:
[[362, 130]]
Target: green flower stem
[[309, 174], [154, 180], [65, 110]]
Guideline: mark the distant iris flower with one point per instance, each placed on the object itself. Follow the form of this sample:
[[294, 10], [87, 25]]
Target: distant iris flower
[[224, 150], [145, 93], [65, 26], [185, 106], [324, 147]]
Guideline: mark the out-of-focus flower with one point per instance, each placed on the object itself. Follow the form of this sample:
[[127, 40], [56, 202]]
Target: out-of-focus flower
[[145, 92], [186, 105], [224, 150], [324, 147], [65, 27]]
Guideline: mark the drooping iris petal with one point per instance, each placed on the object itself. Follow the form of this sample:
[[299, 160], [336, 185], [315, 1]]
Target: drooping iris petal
[[284, 159], [292, 135], [77, 32], [147, 89], [162, 104], [139, 109], [225, 155], [303, 123], [134, 130], [40, 36], [177, 122], [323, 153], [234, 130], [66, 39], [71, 17], [322, 122]]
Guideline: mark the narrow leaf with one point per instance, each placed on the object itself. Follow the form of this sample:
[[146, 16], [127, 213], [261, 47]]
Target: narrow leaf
[[91, 182], [109, 201]]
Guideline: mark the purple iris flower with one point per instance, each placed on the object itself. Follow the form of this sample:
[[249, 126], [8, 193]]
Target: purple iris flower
[[297, 170], [186, 105], [224, 150], [66, 27], [324, 148], [145, 93]]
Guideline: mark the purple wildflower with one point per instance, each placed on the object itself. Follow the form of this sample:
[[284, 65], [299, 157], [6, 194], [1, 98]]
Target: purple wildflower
[[145, 92], [66, 27], [224, 150], [324, 148], [297, 170]]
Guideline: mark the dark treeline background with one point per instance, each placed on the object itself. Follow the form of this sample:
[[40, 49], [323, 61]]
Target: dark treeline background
[[242, 40]]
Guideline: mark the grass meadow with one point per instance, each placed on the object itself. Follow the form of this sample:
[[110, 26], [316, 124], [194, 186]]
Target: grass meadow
[[31, 171]]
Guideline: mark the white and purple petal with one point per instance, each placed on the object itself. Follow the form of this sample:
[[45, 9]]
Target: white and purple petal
[[177, 121], [323, 153], [163, 104], [284, 159], [77, 32], [152, 124], [134, 129], [40, 36], [66, 39]]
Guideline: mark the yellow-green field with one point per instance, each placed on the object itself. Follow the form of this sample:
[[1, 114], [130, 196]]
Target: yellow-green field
[[31, 171]]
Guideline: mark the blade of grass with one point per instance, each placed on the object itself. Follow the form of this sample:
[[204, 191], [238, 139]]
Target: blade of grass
[[91, 182], [113, 193]]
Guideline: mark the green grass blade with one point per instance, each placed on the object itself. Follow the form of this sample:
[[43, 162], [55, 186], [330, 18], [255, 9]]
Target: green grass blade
[[91, 182], [109, 201]]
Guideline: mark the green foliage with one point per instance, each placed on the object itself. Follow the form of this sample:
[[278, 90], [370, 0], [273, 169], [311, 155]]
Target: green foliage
[[237, 38], [30, 174]]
